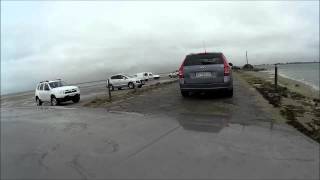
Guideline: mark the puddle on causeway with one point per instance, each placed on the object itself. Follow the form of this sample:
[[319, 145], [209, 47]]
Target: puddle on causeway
[[203, 122]]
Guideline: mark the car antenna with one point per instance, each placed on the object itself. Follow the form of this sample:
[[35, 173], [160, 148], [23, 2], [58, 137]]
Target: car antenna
[[247, 57], [204, 47]]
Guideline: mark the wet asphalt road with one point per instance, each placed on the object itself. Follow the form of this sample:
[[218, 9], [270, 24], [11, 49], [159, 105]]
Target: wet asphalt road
[[158, 134]]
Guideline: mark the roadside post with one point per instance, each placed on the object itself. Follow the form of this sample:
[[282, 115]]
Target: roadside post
[[276, 78], [109, 92]]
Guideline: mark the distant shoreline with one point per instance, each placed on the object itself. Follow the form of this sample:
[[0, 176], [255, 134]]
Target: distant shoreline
[[309, 62], [305, 83], [312, 86], [312, 83]]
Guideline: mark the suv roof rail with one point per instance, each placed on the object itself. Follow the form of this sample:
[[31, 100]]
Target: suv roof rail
[[205, 53]]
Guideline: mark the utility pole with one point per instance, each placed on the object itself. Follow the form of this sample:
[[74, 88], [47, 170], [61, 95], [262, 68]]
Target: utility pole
[[247, 57]]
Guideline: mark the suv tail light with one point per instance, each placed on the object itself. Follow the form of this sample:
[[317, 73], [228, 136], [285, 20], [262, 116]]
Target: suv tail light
[[226, 66], [181, 71]]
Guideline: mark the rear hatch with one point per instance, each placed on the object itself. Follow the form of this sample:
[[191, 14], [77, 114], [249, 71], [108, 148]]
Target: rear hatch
[[205, 68]]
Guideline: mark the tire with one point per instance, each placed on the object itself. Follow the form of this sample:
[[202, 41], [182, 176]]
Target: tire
[[131, 85], [54, 101], [140, 86], [185, 93], [229, 93], [38, 101], [119, 88], [76, 99]]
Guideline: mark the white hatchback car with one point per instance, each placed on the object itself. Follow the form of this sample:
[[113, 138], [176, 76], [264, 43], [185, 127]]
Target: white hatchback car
[[55, 92], [122, 80]]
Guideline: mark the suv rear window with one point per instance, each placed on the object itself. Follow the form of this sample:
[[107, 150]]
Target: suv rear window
[[41, 87], [46, 87], [203, 59]]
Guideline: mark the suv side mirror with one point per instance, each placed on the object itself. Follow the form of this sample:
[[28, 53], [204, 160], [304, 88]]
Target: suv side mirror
[[46, 88], [230, 64]]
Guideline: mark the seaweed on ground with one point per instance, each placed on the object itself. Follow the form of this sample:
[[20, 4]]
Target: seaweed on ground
[[290, 112], [296, 95]]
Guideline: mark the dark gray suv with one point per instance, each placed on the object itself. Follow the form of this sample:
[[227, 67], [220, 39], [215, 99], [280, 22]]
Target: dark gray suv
[[205, 72]]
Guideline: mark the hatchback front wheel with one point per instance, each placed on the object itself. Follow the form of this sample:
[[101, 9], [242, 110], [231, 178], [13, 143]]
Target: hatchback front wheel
[[131, 85]]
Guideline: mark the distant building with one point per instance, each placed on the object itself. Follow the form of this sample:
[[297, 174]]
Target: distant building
[[247, 67]]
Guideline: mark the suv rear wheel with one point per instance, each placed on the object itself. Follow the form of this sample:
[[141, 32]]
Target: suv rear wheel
[[54, 101], [38, 101], [229, 93], [185, 93]]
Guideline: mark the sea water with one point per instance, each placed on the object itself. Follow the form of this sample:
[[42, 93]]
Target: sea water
[[307, 73]]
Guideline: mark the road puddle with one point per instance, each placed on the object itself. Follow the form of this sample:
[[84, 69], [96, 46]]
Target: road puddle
[[203, 122]]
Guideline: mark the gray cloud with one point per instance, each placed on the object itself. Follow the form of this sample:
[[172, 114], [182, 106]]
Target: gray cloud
[[82, 41]]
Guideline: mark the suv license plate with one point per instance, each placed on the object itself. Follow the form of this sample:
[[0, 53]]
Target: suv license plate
[[204, 74]]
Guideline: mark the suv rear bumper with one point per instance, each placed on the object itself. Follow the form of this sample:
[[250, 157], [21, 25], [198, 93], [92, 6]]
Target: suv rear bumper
[[206, 87]]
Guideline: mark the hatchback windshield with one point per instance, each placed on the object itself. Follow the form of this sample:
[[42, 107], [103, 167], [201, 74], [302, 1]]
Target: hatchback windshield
[[57, 84]]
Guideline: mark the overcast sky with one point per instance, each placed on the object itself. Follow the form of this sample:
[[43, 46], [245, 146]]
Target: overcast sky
[[81, 41]]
